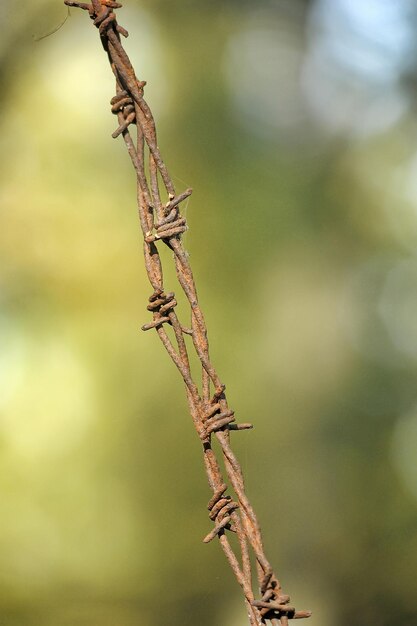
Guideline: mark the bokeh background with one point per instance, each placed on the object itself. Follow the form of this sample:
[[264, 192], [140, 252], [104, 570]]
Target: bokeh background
[[295, 123]]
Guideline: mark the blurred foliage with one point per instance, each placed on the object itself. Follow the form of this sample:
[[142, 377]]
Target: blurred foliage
[[295, 124]]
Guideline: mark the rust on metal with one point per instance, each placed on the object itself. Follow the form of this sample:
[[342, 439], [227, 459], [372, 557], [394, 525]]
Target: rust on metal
[[162, 223]]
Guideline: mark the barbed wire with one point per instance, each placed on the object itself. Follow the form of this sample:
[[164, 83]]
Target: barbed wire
[[161, 221]]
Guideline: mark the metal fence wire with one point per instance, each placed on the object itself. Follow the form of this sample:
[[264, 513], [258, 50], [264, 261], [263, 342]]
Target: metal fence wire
[[162, 223]]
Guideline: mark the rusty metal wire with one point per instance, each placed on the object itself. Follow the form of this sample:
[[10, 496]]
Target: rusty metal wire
[[162, 222]]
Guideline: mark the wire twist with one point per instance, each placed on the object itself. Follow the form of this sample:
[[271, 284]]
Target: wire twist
[[211, 415]]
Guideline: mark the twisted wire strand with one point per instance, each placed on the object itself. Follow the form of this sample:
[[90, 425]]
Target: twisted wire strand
[[161, 221]]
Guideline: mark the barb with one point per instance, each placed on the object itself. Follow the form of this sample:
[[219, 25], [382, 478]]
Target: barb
[[162, 223]]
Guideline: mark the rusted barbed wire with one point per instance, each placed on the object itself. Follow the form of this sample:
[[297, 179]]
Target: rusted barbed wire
[[161, 221]]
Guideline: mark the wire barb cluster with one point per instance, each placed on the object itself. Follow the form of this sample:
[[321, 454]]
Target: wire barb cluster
[[161, 221]]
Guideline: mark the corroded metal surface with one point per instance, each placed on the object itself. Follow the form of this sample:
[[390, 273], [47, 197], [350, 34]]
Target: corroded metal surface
[[162, 224]]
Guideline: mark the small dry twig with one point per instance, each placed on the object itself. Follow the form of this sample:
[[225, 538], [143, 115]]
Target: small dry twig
[[161, 221]]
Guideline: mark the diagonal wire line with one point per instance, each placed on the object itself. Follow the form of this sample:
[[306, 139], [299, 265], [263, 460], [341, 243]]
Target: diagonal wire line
[[162, 223]]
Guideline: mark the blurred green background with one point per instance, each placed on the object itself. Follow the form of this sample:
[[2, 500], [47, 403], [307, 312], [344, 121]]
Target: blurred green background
[[295, 123]]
